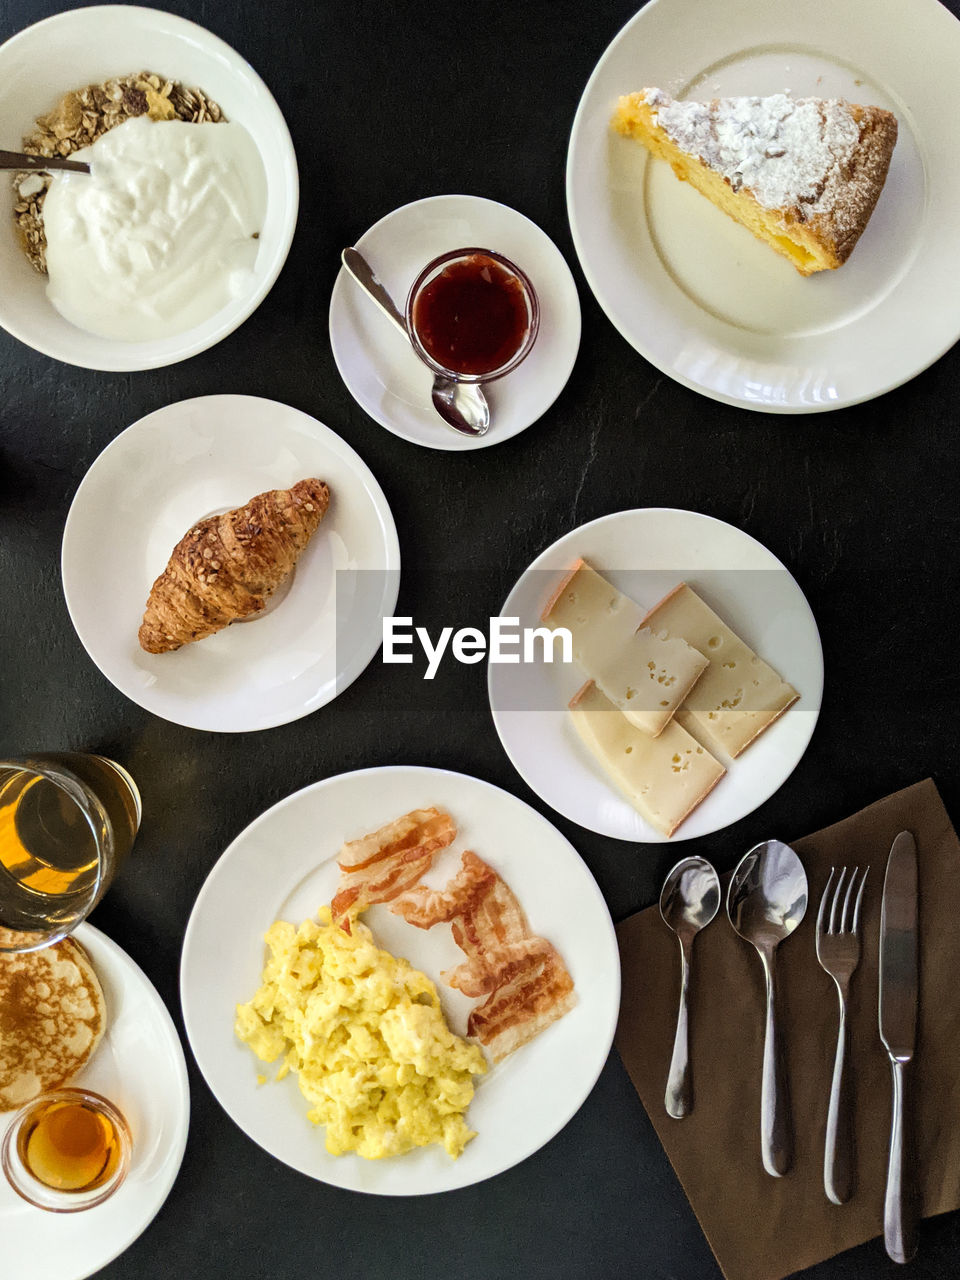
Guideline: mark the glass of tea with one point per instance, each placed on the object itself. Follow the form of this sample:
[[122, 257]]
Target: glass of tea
[[67, 822], [66, 1150], [472, 315]]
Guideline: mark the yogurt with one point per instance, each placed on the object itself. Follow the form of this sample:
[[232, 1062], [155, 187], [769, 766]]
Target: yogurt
[[162, 233]]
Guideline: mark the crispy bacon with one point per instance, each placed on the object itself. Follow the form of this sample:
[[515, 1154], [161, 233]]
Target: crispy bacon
[[379, 866], [522, 976]]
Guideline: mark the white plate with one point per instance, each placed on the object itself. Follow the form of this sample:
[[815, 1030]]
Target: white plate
[[696, 293], [138, 1065], [90, 45], [380, 369], [645, 553], [284, 866], [178, 465]]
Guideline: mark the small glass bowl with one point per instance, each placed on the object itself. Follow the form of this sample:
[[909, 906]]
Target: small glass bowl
[[433, 269], [38, 1193]]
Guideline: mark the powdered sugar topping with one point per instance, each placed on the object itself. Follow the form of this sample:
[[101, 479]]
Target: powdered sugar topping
[[786, 151]]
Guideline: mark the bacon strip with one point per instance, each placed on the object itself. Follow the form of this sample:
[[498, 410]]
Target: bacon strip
[[522, 976], [387, 862]]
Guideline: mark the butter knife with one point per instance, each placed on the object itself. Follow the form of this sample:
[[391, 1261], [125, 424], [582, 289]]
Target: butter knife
[[899, 993]]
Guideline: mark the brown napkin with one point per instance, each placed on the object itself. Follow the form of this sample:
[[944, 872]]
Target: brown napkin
[[764, 1228]]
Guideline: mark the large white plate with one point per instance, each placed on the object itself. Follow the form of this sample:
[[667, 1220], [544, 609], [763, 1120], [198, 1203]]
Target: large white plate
[[284, 866], [645, 553], [697, 294], [379, 366], [182, 463], [138, 1065]]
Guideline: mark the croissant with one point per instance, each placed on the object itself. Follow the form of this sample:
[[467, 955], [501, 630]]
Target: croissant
[[227, 566]]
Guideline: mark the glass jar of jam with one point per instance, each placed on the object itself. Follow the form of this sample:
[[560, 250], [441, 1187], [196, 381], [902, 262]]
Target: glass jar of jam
[[472, 315]]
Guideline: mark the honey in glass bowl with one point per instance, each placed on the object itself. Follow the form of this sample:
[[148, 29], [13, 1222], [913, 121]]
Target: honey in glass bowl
[[67, 1150]]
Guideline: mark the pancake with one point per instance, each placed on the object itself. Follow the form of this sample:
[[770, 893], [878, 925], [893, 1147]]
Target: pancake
[[52, 1015]]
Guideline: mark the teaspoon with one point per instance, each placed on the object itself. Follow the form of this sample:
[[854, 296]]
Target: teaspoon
[[688, 902], [40, 164], [462, 405], [766, 901]]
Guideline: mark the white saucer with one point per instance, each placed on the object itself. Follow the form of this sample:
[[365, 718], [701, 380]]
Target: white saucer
[[645, 553], [182, 463], [283, 866], [138, 1065], [697, 294], [380, 369]]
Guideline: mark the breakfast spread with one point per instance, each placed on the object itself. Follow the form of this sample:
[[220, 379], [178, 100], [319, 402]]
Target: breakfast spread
[[663, 687], [520, 979], [664, 778], [52, 1016], [472, 317], [802, 174], [644, 673], [79, 119], [227, 566], [739, 695], [365, 1035]]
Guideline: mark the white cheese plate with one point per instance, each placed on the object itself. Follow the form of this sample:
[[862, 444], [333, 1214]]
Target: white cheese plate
[[645, 553], [139, 1066], [283, 867], [696, 293]]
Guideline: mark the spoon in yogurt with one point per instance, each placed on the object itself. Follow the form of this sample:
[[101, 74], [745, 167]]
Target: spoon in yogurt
[[462, 405], [40, 164]]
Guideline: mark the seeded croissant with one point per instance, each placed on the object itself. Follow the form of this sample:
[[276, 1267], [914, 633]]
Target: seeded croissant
[[227, 566]]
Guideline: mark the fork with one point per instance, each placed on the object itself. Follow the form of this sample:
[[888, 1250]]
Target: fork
[[838, 950]]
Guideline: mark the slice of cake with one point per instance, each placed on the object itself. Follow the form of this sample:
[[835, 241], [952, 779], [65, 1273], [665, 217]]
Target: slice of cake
[[664, 778], [645, 675], [803, 174], [739, 695]]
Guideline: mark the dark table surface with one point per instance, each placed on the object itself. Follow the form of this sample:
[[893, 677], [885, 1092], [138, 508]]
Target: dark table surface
[[388, 103]]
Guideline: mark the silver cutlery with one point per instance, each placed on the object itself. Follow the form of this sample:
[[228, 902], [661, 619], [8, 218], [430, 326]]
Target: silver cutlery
[[688, 902], [899, 995], [766, 900], [461, 405], [838, 950], [40, 164]]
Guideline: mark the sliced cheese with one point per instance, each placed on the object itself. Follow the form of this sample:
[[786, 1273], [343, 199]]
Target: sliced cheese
[[645, 675], [664, 778], [739, 695]]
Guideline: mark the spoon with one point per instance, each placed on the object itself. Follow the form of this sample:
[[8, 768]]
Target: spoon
[[766, 901], [689, 901], [40, 164], [462, 405]]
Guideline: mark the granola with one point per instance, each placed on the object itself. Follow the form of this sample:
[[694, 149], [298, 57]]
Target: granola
[[80, 118]]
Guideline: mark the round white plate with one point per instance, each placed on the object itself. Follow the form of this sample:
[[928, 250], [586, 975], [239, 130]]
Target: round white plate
[[696, 293], [182, 463], [380, 368], [138, 1065], [87, 46], [284, 867], [645, 553]]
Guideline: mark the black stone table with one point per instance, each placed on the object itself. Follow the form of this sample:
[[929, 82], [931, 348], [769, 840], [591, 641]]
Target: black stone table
[[387, 103]]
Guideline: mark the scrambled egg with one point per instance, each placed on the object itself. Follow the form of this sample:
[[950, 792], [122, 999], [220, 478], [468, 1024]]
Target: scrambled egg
[[366, 1036]]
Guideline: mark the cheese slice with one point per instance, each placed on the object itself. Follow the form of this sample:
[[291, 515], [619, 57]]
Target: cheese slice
[[664, 778], [739, 695], [646, 676]]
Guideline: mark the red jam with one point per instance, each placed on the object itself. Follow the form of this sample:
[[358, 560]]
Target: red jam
[[472, 317]]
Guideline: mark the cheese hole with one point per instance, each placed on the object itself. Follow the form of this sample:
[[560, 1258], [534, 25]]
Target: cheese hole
[[714, 642], [631, 693], [627, 751], [730, 665], [664, 702]]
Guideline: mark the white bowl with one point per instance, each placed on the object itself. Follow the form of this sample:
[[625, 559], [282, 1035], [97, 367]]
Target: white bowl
[[88, 46]]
